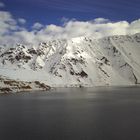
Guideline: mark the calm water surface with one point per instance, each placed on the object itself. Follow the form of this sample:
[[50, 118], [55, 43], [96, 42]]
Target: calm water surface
[[111, 113]]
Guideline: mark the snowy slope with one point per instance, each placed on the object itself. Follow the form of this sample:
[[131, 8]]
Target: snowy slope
[[81, 61]]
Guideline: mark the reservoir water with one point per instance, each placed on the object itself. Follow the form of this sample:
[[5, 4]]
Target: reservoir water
[[111, 113]]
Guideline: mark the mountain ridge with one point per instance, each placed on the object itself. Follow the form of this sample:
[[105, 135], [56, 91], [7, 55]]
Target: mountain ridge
[[81, 61]]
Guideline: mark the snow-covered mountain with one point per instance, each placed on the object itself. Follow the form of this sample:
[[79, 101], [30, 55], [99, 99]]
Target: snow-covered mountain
[[82, 61]]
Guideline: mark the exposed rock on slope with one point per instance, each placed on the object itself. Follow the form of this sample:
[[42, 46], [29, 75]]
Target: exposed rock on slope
[[8, 85]]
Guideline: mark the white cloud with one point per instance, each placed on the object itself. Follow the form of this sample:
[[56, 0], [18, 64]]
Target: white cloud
[[37, 26], [78, 28], [2, 5], [21, 20], [64, 19], [7, 23], [11, 32], [101, 20], [134, 27]]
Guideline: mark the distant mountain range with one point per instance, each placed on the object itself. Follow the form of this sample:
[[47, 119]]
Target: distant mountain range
[[81, 61]]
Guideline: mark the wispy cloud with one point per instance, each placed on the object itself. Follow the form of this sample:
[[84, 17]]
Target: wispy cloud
[[21, 20], [105, 7], [37, 26], [2, 5]]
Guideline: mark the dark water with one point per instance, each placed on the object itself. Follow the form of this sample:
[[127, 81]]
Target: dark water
[[72, 114]]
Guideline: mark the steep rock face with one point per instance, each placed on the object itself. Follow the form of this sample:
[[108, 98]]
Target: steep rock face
[[82, 61]]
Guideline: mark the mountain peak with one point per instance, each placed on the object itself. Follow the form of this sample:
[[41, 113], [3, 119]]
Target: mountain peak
[[85, 61]]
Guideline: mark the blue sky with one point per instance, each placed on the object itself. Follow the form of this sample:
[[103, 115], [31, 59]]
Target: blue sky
[[52, 11], [34, 21]]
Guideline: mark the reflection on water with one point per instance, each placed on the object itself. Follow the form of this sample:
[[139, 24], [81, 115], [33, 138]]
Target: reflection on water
[[111, 113]]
